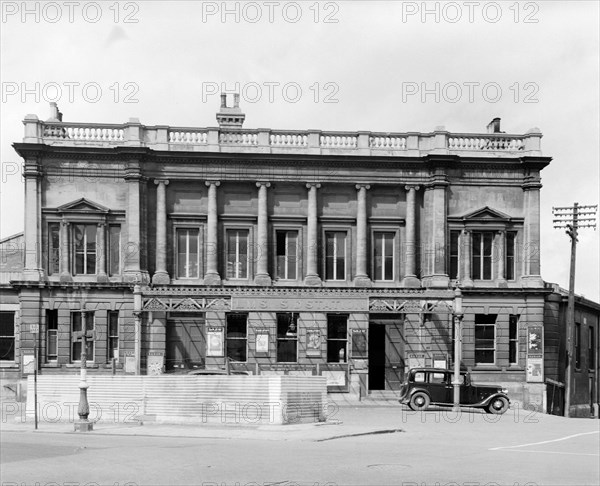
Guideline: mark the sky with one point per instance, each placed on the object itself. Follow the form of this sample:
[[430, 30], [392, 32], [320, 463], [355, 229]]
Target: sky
[[347, 65]]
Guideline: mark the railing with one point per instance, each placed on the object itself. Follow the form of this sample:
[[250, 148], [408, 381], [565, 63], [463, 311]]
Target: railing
[[279, 141], [387, 142], [343, 141], [486, 142], [288, 139], [187, 136], [92, 133]]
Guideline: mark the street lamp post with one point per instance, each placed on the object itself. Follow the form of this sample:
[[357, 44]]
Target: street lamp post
[[83, 425], [457, 318]]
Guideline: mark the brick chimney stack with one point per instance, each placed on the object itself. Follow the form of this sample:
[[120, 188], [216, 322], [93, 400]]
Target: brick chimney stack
[[230, 117], [494, 126]]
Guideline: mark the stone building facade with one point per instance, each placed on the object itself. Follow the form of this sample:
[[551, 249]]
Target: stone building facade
[[276, 251]]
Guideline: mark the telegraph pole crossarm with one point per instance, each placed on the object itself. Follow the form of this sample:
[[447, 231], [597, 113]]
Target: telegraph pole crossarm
[[572, 219]]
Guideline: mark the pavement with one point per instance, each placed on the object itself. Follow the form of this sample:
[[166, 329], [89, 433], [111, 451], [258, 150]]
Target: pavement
[[343, 420]]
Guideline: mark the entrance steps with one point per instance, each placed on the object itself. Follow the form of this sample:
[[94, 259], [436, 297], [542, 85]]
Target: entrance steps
[[383, 395]]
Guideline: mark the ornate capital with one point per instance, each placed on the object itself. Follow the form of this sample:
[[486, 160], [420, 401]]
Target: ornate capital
[[262, 183], [415, 187], [161, 181], [313, 184], [361, 186], [215, 183]]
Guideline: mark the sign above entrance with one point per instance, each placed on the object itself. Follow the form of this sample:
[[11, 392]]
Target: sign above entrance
[[299, 304]]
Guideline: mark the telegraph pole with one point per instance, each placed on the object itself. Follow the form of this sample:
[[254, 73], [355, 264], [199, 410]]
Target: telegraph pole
[[572, 219]]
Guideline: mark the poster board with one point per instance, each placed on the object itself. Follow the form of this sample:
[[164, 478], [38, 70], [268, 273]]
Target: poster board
[[215, 341], [28, 360], [359, 344], [156, 363], [261, 342], [130, 362], [313, 342]]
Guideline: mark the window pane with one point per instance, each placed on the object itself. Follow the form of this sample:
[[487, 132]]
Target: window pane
[[182, 253], [287, 332], [510, 256], [286, 350], [53, 249], [193, 236], [237, 254], [114, 254], [76, 319], [484, 356], [335, 255], [52, 344], [292, 248], [7, 333], [454, 238], [286, 248]]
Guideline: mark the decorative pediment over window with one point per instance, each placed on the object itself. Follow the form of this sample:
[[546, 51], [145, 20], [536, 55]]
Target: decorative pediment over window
[[485, 215], [82, 205]]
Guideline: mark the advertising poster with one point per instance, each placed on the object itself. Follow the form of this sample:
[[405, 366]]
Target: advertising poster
[[313, 342], [215, 342], [535, 369], [359, 343], [156, 362], [261, 341]]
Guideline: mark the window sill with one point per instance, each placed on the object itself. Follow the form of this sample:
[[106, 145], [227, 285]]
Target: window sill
[[77, 364], [50, 365], [486, 368], [8, 365]]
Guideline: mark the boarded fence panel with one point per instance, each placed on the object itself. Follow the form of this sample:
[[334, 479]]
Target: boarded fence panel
[[243, 400]]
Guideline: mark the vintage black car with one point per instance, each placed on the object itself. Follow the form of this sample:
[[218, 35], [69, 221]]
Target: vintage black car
[[433, 386]]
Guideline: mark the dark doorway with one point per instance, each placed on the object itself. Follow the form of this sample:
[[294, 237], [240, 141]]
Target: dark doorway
[[386, 352], [185, 343], [376, 356]]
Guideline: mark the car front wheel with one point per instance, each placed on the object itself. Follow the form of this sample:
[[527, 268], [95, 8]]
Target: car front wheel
[[498, 406], [419, 401]]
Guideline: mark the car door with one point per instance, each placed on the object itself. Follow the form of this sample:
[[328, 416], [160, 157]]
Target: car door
[[437, 386]]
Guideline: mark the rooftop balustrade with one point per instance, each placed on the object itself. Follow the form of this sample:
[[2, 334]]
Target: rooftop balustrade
[[302, 142]]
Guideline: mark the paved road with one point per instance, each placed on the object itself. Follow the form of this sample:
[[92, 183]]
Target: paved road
[[416, 449]]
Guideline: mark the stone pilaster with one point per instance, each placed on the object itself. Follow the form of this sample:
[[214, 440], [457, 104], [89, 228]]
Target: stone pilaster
[[262, 270], [531, 245], [65, 274], [101, 253], [133, 252], [32, 174], [361, 279], [212, 276], [410, 243], [312, 274], [161, 276], [500, 255], [436, 274], [466, 250]]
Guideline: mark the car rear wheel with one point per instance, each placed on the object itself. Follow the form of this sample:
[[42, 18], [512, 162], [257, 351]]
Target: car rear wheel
[[498, 406], [419, 401]]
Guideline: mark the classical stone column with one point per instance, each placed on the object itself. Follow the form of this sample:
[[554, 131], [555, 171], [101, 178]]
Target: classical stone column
[[531, 247], [212, 276], [101, 253], [361, 279], [65, 275], [32, 174], [436, 214], [500, 255], [135, 208], [312, 274], [161, 276], [465, 255], [410, 278], [262, 265]]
